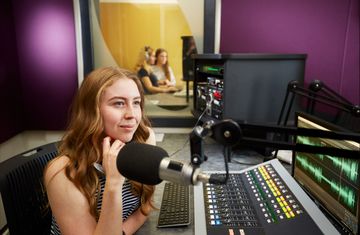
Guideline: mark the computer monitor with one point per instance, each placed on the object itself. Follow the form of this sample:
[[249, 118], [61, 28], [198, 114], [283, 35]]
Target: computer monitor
[[332, 181]]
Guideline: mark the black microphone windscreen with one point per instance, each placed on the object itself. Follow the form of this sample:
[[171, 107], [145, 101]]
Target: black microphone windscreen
[[141, 162]]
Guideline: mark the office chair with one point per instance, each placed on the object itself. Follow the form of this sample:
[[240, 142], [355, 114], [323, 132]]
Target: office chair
[[23, 193], [187, 62]]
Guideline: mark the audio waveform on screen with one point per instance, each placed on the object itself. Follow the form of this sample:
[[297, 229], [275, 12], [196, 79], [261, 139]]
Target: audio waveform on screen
[[348, 167], [340, 191], [308, 167], [307, 141]]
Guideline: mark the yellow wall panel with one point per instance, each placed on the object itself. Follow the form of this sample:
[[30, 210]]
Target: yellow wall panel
[[129, 27]]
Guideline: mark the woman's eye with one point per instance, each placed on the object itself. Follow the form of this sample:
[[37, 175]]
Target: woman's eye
[[119, 103], [137, 102]]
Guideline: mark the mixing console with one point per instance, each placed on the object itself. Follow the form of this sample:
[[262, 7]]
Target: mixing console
[[263, 199]]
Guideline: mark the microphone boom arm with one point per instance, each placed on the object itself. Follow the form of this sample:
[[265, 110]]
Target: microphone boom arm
[[229, 133]]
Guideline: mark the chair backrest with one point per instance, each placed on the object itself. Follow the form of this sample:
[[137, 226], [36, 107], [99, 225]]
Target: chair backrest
[[189, 48], [23, 193]]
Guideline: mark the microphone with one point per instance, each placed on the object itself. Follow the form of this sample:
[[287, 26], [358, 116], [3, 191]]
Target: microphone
[[149, 164]]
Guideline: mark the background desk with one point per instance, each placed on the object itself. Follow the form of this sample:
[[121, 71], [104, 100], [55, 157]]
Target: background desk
[[167, 100], [166, 109]]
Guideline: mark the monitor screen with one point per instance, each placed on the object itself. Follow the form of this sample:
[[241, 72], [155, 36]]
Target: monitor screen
[[332, 181]]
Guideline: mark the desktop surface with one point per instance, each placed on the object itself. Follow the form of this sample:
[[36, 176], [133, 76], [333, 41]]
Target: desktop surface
[[177, 143], [150, 226], [240, 161], [178, 149], [166, 99]]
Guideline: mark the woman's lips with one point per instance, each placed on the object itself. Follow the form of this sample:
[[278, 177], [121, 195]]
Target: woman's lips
[[128, 127]]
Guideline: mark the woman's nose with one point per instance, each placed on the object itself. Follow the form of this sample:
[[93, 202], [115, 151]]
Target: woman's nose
[[129, 111]]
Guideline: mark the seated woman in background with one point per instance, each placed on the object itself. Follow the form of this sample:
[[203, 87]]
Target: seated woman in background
[[162, 69], [146, 75]]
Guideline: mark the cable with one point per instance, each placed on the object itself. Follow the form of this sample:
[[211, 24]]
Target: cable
[[218, 179], [188, 139]]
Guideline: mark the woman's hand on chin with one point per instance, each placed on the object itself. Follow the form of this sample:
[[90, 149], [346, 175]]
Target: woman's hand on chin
[[111, 150]]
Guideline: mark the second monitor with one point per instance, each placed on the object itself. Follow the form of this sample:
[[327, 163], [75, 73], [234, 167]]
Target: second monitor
[[244, 87]]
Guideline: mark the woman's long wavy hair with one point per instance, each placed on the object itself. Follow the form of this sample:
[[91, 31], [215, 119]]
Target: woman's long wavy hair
[[166, 65], [82, 143]]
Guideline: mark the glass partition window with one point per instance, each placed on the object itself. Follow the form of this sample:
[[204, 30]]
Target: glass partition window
[[127, 26]]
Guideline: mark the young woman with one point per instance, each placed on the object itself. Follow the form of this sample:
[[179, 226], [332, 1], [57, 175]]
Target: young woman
[[146, 75], [87, 194], [162, 69]]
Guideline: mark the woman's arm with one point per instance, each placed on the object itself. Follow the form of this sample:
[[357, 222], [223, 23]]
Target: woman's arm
[[71, 208], [110, 220], [134, 222], [68, 205], [137, 219], [153, 89], [172, 81]]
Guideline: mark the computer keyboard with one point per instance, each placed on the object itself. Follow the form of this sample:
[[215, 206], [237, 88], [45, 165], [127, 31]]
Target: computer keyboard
[[175, 209]]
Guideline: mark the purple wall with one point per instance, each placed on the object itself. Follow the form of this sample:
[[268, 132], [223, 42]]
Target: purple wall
[[45, 32], [10, 101], [40, 62], [326, 30]]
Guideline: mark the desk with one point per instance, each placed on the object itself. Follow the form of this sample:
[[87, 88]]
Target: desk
[[166, 100], [149, 228], [167, 105], [314, 220], [174, 142]]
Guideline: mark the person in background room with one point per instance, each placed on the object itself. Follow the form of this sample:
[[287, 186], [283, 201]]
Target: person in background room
[[87, 194], [146, 75], [162, 69]]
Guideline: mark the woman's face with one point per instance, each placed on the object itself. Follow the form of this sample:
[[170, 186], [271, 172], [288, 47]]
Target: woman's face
[[120, 109], [162, 58], [152, 58]]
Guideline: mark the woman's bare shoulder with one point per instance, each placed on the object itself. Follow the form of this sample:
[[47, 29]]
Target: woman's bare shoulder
[[58, 185], [55, 167]]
